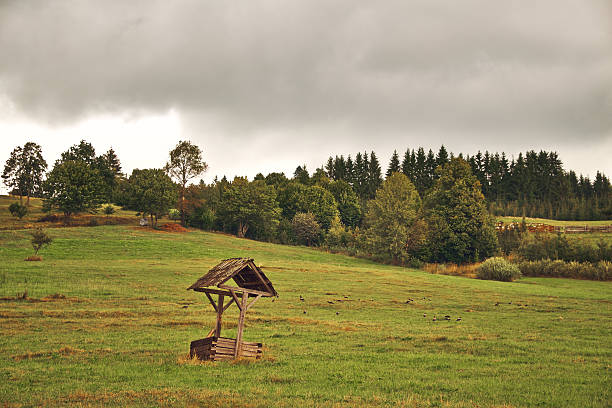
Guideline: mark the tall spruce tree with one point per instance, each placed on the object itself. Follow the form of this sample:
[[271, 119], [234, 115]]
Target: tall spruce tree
[[394, 164]]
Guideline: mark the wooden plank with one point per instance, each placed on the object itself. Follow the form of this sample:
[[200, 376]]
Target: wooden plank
[[212, 291], [219, 316], [211, 332], [244, 290], [240, 326]]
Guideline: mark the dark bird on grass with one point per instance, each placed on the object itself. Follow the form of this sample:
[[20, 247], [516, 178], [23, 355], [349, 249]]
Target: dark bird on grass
[[424, 314], [301, 298], [447, 317], [304, 312], [330, 302], [337, 313], [497, 304], [185, 307], [346, 297], [434, 319], [458, 319]]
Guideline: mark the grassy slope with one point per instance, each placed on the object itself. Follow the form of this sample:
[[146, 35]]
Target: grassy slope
[[120, 336], [546, 221], [7, 221]]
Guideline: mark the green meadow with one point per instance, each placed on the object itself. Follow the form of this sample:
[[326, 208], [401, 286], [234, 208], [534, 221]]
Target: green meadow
[[106, 320]]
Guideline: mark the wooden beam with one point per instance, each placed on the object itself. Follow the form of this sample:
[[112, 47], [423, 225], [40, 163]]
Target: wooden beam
[[211, 332], [228, 304], [244, 290], [212, 291], [253, 301], [243, 309], [212, 302], [236, 298], [219, 316]]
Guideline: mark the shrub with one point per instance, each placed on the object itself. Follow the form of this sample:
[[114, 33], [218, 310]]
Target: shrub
[[18, 210], [174, 214], [306, 228], [93, 222], [601, 270], [536, 247], [39, 240], [109, 210], [498, 269]]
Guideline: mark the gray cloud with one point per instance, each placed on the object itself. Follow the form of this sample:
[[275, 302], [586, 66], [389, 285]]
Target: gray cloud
[[475, 74]]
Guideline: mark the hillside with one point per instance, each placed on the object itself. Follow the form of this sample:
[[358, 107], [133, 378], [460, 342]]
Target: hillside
[[107, 321]]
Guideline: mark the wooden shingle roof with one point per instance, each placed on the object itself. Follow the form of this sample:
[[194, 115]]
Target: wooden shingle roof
[[243, 271]]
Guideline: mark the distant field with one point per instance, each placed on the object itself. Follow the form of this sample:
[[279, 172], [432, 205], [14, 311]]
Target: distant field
[[7, 221], [552, 222], [108, 322]]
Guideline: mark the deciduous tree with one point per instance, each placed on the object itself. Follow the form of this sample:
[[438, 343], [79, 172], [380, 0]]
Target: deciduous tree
[[74, 187], [185, 164], [460, 228], [24, 170]]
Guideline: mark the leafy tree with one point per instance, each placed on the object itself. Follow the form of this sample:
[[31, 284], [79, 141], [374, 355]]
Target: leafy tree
[[151, 192], [276, 179], [321, 203], [394, 164], [74, 187], [460, 228], [390, 224], [301, 175], [24, 170], [18, 210], [39, 240], [84, 151], [250, 206], [185, 164], [306, 228], [348, 202]]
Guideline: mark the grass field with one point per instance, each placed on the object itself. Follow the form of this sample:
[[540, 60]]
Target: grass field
[[108, 321], [508, 220], [8, 222]]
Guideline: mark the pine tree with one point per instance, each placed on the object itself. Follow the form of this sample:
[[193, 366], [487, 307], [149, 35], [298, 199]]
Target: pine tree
[[394, 164], [374, 176]]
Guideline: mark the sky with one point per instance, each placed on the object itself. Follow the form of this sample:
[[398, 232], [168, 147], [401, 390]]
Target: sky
[[265, 86]]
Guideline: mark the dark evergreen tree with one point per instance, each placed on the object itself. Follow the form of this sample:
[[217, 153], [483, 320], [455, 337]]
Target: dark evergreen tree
[[394, 164]]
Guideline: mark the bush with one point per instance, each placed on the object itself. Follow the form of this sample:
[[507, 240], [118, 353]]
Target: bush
[[306, 228], [601, 270], [498, 269], [39, 240], [536, 247], [18, 210], [109, 210], [174, 214]]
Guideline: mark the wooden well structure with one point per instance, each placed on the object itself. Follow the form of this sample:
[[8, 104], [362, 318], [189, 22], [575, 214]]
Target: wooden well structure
[[251, 284]]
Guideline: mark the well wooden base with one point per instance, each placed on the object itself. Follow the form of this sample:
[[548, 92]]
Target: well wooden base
[[223, 348]]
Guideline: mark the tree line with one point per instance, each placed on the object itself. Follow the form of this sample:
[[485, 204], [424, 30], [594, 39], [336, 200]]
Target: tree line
[[532, 185], [426, 207]]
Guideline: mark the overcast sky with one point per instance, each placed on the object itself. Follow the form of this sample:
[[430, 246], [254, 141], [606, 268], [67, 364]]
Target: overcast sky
[[264, 86]]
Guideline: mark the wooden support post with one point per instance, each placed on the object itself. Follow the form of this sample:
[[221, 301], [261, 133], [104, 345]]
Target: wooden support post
[[243, 309], [219, 314]]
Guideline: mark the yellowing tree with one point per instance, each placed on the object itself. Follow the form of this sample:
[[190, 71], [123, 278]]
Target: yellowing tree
[[393, 230]]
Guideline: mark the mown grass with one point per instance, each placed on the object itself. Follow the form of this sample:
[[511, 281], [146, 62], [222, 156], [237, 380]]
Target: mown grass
[[108, 321], [528, 220]]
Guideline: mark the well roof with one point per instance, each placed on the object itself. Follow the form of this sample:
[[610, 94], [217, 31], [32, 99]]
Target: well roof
[[244, 272]]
